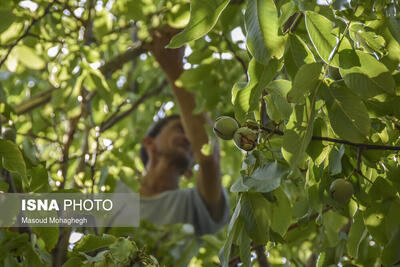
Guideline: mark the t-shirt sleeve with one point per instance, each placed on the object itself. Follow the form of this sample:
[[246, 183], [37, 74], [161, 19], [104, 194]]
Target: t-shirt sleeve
[[203, 222]]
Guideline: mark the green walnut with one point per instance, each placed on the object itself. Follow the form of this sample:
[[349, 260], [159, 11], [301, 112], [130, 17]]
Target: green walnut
[[9, 134], [341, 190], [225, 127], [245, 138]]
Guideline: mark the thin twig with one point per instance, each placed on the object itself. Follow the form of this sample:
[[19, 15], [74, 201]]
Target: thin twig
[[116, 118], [311, 217]]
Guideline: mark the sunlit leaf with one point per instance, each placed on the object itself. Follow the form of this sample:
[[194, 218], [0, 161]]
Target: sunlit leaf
[[203, 16]]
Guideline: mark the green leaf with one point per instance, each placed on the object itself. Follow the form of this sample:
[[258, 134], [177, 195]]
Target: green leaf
[[13, 160], [369, 40], [246, 99], [234, 228], [266, 178], [321, 259], [391, 252], [368, 78], [179, 16], [39, 181], [374, 220], [347, 114], [281, 212], [255, 216], [297, 54], [244, 243], [304, 82], [29, 151], [73, 262], [91, 242], [298, 133], [277, 106], [356, 235], [203, 16], [335, 160], [49, 235], [7, 18], [333, 222], [319, 30], [269, 24], [121, 250], [254, 36], [393, 20], [29, 57]]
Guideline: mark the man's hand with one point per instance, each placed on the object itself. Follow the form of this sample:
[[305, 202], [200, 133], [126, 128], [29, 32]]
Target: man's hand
[[209, 180]]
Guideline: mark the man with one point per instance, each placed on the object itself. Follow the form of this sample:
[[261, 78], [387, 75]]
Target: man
[[169, 150]]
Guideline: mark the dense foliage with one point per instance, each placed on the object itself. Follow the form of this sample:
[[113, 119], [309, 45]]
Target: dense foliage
[[320, 79]]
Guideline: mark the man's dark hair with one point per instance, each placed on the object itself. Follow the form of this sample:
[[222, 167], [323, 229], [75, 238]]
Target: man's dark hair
[[153, 131]]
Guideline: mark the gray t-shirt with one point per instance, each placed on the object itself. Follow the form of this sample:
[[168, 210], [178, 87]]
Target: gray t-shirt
[[183, 206], [180, 206]]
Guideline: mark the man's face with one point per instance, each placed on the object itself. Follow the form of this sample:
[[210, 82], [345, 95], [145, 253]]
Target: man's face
[[172, 143]]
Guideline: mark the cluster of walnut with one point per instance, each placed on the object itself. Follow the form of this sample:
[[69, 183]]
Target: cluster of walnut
[[228, 128]]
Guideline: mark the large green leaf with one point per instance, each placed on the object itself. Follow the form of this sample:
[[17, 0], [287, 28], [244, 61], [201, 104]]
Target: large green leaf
[[254, 37], [246, 99], [269, 24], [203, 16], [254, 212], [369, 77], [7, 18], [369, 40], [347, 114], [333, 222], [277, 106], [298, 133], [304, 82], [391, 252], [319, 30], [29, 57], [12, 158], [264, 179], [281, 212], [393, 20], [297, 54], [356, 235], [49, 235], [244, 243], [374, 220]]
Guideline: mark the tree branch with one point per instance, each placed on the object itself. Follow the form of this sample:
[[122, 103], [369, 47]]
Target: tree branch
[[34, 101], [117, 62], [116, 118]]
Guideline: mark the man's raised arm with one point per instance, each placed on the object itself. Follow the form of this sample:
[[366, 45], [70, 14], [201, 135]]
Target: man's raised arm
[[209, 180]]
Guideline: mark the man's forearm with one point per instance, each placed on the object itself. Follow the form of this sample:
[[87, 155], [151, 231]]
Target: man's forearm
[[209, 180]]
